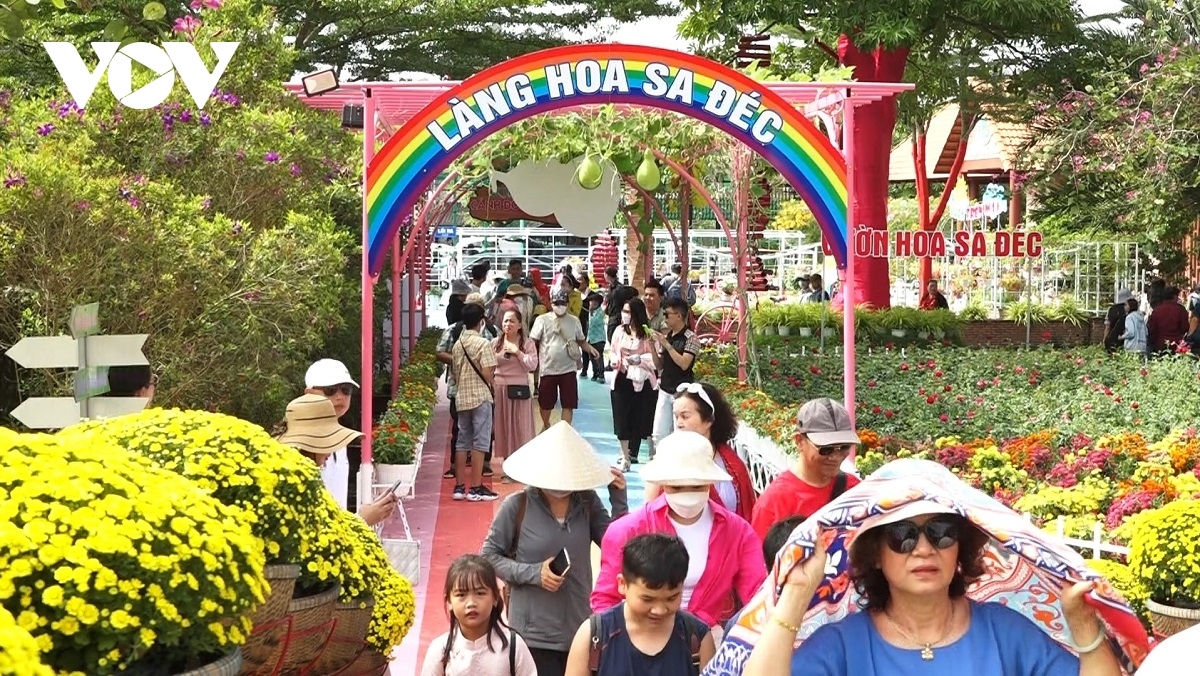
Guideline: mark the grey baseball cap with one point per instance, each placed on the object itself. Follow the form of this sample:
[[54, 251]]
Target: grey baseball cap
[[826, 423]]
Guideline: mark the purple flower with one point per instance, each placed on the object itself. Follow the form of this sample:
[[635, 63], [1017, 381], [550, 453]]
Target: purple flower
[[271, 157], [187, 24], [185, 116], [295, 169], [45, 129], [83, 206], [168, 121], [201, 5], [205, 120], [206, 204], [241, 154], [14, 179], [237, 228]]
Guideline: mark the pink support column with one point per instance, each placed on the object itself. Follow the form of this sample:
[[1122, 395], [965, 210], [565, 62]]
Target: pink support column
[[366, 378], [397, 252], [848, 285]]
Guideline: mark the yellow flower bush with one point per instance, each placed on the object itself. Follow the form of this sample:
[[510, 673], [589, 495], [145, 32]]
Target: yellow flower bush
[[110, 562], [1085, 499], [1164, 555], [278, 491], [19, 654], [1124, 581], [348, 550]]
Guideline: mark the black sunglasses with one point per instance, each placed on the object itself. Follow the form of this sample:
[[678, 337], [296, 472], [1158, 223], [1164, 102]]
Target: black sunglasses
[[344, 389], [941, 532], [826, 451]]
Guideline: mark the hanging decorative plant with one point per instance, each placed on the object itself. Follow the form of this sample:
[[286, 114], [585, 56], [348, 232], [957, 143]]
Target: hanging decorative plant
[[648, 176]]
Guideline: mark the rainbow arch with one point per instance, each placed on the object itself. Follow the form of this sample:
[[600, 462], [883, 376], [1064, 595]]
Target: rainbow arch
[[595, 74]]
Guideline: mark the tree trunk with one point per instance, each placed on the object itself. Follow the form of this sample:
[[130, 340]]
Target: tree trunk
[[929, 220], [873, 126], [635, 257]]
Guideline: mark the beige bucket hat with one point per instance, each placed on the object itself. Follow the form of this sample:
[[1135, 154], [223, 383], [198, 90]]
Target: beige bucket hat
[[312, 425], [683, 458], [559, 460]]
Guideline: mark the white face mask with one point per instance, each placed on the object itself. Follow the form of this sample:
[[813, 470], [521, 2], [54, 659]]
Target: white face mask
[[556, 494], [687, 505], [560, 310], [626, 318]]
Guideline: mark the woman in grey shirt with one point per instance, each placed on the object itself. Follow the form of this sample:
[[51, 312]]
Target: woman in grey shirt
[[558, 510]]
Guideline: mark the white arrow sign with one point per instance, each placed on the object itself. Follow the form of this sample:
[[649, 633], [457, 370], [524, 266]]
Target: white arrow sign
[[46, 413], [62, 352]]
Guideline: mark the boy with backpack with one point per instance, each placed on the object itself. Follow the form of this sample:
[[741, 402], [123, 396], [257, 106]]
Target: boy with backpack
[[649, 632]]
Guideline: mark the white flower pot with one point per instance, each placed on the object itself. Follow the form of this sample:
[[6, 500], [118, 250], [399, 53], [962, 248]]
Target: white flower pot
[[899, 333], [390, 474], [785, 330], [770, 330], [805, 331], [939, 334], [923, 335]]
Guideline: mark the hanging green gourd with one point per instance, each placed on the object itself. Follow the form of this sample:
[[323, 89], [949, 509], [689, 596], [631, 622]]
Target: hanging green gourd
[[589, 173], [648, 176]]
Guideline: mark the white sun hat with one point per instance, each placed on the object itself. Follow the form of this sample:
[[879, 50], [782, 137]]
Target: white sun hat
[[559, 460], [683, 458]]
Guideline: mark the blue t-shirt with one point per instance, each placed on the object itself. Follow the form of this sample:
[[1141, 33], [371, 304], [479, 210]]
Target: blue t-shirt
[[999, 642]]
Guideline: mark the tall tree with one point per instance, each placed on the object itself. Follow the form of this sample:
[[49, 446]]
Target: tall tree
[[361, 39], [877, 39], [376, 39], [1116, 154]]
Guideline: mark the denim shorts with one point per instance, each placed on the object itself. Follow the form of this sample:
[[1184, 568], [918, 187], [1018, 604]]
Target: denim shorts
[[475, 428]]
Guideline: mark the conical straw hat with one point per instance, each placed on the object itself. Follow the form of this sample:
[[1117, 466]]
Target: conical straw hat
[[559, 460]]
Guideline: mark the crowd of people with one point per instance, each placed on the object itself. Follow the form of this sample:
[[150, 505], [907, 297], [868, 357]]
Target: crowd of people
[[706, 560]]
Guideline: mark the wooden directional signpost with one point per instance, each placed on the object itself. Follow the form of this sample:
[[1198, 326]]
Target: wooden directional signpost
[[91, 354]]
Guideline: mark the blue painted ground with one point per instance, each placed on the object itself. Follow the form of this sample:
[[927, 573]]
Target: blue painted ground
[[593, 420]]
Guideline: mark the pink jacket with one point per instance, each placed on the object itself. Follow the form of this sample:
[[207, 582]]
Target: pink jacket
[[735, 560]]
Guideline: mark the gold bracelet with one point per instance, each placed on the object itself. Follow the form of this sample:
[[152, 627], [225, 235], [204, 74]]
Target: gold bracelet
[[786, 625]]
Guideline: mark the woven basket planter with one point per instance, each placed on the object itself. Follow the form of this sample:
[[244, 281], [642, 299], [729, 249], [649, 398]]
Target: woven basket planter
[[349, 638], [1169, 620], [312, 625], [368, 663], [229, 665], [263, 651]]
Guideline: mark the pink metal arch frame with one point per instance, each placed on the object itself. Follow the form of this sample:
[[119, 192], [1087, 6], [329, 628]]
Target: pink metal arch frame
[[401, 100]]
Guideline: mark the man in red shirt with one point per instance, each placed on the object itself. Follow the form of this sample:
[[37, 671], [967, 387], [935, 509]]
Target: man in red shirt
[[824, 438]]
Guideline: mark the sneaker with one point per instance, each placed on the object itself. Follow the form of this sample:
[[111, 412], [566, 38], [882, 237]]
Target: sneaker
[[487, 471], [481, 494], [449, 474], [460, 492], [598, 379]]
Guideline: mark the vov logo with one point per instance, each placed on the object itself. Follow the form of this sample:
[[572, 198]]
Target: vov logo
[[165, 61]]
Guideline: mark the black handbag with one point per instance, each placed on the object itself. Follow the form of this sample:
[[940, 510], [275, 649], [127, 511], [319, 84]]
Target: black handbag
[[519, 392]]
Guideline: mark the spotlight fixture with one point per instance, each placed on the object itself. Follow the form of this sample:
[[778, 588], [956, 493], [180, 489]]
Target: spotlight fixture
[[320, 82]]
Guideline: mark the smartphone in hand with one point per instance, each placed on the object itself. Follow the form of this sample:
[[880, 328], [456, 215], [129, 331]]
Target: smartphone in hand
[[561, 563], [396, 486]]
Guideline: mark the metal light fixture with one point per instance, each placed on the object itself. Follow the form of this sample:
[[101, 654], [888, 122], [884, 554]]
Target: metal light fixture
[[320, 82]]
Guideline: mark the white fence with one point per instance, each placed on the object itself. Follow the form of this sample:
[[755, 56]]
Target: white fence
[[766, 460]]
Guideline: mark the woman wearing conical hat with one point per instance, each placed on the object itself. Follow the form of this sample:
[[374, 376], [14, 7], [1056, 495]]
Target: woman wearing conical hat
[[559, 510]]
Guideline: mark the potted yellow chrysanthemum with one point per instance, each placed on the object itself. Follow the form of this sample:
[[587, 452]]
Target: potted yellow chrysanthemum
[[1164, 556], [137, 568]]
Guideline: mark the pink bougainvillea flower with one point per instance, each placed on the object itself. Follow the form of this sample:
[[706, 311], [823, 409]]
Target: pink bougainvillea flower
[[187, 24], [200, 5]]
